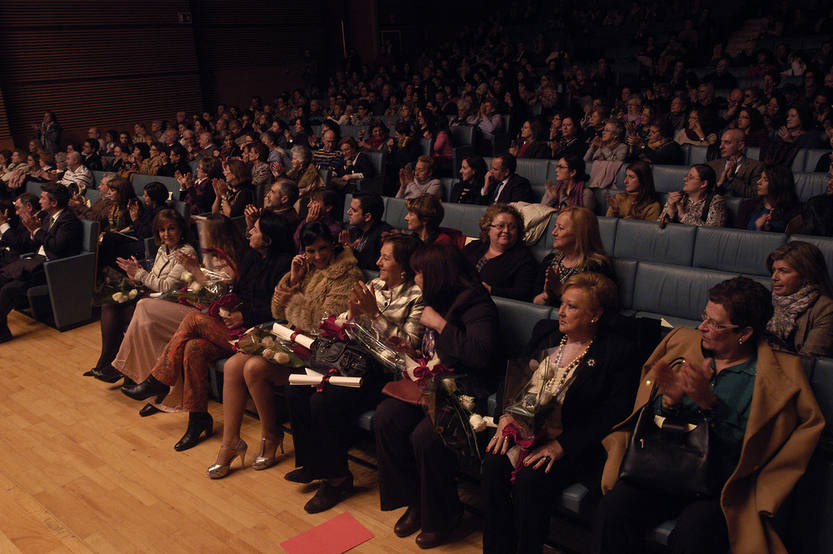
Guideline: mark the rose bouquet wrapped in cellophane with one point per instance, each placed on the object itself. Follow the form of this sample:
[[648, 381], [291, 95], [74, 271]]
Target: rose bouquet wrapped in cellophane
[[110, 292], [198, 295], [260, 341]]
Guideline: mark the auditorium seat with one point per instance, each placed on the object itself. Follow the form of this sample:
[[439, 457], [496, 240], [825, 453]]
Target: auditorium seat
[[735, 250], [808, 185], [607, 228], [463, 217], [646, 241], [677, 294], [625, 271], [536, 171], [696, 154], [813, 156], [669, 178]]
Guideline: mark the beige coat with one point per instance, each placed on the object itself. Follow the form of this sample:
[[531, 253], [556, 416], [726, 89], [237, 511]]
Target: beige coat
[[782, 432], [320, 292], [814, 335]]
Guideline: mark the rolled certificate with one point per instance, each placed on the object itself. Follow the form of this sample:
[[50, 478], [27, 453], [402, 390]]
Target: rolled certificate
[[285, 333], [351, 382]]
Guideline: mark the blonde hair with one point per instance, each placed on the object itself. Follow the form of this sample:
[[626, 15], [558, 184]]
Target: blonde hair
[[601, 290], [589, 246]]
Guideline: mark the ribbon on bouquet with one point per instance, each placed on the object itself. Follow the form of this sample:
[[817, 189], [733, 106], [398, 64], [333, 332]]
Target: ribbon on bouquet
[[423, 371], [525, 444], [332, 330]]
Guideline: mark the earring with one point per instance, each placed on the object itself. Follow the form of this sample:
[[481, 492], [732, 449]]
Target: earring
[[740, 341], [403, 275]]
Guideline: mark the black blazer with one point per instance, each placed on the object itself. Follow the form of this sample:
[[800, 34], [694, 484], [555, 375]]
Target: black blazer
[[16, 239], [256, 281], [517, 189], [602, 392], [362, 165], [63, 239], [511, 275], [370, 244], [470, 341]]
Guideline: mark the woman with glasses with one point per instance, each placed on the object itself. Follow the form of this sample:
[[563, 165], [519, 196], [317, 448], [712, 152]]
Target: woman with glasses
[[505, 265], [569, 188], [764, 425]]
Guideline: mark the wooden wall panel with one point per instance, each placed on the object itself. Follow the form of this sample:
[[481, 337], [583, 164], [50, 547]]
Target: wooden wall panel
[[96, 62]]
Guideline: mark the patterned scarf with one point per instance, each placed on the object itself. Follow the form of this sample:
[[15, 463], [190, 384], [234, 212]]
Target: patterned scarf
[[789, 308]]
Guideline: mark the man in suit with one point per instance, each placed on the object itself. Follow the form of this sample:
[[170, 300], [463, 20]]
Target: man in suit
[[502, 185], [357, 165], [736, 174], [59, 235]]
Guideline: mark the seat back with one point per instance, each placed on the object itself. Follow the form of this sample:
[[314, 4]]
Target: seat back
[[646, 241], [674, 291], [808, 185], [90, 240], [697, 154], [536, 171], [463, 217], [395, 211], [607, 229], [813, 156], [625, 280], [735, 250], [669, 178], [517, 320], [462, 135]]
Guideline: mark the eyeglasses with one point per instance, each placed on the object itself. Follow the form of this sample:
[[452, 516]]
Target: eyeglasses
[[559, 166], [504, 227], [713, 325]]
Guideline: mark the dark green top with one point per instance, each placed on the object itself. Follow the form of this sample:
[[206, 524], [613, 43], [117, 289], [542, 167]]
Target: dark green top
[[733, 387]]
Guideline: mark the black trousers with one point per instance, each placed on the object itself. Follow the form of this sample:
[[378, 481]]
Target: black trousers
[[627, 512], [15, 281], [517, 515], [415, 467], [114, 321], [323, 423]]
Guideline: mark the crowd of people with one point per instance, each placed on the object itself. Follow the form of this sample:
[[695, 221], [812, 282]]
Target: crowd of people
[[269, 192]]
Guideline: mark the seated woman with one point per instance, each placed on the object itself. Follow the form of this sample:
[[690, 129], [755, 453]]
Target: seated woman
[[198, 192], [608, 146], [322, 421], [751, 122], [570, 143], [585, 379], [505, 265], [420, 180], [435, 130], [319, 282], [577, 248], [415, 468], [697, 131], [775, 205], [155, 320], [321, 205], [660, 147], [234, 192], [697, 203], [530, 142], [424, 216], [569, 188], [639, 201], [764, 422], [122, 196], [802, 297], [304, 173], [472, 177], [142, 217], [169, 232], [202, 338]]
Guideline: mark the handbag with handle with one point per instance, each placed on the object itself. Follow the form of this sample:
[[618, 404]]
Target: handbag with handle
[[669, 454], [349, 359]]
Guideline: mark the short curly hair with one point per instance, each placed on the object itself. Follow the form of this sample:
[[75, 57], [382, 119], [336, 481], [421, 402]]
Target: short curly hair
[[747, 302], [492, 212]]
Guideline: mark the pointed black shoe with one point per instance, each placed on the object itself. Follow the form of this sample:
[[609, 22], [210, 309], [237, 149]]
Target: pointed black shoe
[[148, 410], [108, 374], [147, 388], [198, 423]]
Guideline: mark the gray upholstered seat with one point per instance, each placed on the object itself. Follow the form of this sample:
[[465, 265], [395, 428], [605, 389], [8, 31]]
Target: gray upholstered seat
[[646, 241], [734, 250], [669, 178]]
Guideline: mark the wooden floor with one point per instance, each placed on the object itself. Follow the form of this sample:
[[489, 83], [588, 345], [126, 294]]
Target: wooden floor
[[82, 472]]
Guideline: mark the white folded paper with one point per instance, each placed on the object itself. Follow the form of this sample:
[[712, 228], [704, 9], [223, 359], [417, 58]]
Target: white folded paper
[[285, 333], [314, 378]]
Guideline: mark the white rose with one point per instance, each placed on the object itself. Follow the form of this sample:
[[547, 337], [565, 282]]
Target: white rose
[[477, 422], [195, 287], [449, 385], [268, 353], [282, 358], [132, 294], [187, 276], [267, 342], [120, 297], [224, 313], [467, 402]]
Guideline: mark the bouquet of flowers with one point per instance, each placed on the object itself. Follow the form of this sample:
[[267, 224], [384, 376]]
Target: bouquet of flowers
[[110, 292], [198, 295], [261, 341]]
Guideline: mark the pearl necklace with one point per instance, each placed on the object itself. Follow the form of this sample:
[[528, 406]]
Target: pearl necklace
[[562, 374]]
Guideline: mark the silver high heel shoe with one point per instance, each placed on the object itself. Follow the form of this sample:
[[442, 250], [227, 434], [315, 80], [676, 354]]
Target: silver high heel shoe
[[218, 471], [264, 462]]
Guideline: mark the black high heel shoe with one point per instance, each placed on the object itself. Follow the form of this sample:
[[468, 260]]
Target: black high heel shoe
[[198, 423], [147, 388]]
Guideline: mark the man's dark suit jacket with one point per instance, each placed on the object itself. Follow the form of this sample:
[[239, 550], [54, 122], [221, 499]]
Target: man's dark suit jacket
[[362, 165], [517, 189], [63, 238]]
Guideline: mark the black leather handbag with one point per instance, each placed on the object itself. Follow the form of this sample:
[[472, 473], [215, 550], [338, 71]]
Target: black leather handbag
[[670, 455], [348, 359]]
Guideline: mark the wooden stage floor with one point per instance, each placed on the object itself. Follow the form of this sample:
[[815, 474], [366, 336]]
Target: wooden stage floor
[[80, 471]]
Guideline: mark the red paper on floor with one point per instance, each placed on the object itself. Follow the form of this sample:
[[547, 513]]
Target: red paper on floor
[[338, 535]]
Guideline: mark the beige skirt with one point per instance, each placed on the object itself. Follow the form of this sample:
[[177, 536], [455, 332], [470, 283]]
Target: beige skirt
[[150, 329]]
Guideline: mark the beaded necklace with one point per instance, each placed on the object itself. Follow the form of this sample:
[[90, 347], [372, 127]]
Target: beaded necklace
[[555, 384]]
